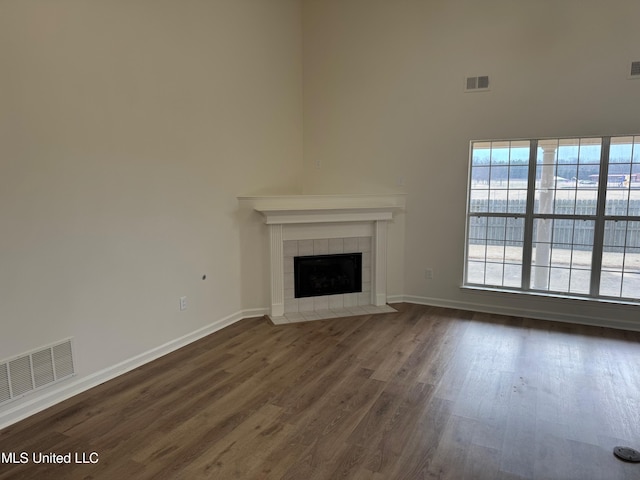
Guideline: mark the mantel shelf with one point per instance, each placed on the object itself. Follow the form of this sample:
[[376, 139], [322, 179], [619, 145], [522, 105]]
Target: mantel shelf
[[288, 209]]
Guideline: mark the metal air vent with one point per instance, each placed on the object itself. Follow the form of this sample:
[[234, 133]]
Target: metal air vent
[[635, 70], [34, 370], [476, 84]]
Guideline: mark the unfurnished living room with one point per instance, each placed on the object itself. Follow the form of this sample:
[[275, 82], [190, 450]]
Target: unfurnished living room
[[320, 239]]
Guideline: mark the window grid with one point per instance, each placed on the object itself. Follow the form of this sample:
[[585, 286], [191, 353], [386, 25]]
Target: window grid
[[570, 257], [621, 259], [497, 204], [547, 216]]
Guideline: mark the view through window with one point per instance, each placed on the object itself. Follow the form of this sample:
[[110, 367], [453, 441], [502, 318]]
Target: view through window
[[556, 215]]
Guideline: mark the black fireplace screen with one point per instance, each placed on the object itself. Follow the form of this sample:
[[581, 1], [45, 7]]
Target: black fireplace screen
[[327, 274]]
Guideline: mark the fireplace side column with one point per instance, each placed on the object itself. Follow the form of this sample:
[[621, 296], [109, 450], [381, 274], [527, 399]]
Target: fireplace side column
[[379, 290], [277, 269]]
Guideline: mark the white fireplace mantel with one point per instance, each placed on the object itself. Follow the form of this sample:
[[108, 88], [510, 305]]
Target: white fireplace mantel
[[285, 209], [298, 217]]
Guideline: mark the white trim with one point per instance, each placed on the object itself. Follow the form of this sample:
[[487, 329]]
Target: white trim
[[521, 312], [315, 231], [47, 397], [309, 209], [379, 265], [285, 217], [609, 301], [373, 201], [276, 243], [396, 298]]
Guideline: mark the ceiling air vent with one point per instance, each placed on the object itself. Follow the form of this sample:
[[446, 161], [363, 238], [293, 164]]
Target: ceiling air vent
[[635, 70], [476, 84]]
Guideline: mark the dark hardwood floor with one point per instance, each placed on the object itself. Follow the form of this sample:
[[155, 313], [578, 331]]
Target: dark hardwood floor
[[426, 393]]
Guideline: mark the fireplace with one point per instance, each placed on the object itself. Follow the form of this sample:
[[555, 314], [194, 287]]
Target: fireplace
[[318, 225], [318, 275]]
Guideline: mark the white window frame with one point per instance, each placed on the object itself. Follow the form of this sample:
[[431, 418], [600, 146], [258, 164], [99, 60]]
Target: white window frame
[[600, 218]]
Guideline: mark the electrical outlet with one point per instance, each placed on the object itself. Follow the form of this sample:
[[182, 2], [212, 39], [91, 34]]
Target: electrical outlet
[[183, 303], [428, 274]]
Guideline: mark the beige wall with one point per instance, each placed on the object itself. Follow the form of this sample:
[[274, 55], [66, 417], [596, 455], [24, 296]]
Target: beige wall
[[127, 130], [384, 104]]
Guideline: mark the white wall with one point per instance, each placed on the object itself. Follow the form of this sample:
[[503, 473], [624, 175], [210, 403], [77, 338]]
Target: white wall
[[384, 104], [127, 129]]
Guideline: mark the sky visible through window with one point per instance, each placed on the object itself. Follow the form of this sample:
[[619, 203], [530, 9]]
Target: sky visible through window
[[500, 153]]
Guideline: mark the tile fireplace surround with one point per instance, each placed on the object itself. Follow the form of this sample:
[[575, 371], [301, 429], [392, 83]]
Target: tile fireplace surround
[[321, 224]]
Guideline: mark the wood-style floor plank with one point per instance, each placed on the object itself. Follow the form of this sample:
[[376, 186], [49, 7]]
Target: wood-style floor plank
[[425, 393]]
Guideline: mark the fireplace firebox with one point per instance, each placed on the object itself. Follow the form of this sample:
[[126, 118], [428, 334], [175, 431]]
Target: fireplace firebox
[[318, 275]]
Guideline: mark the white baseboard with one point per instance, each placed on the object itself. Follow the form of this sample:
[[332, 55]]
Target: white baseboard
[[395, 298], [538, 314], [47, 397]]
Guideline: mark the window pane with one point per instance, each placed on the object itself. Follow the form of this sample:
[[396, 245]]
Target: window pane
[[610, 284], [546, 175], [478, 230], [479, 201], [580, 281], [517, 201], [480, 153], [588, 176], [563, 176], [480, 177], [501, 168], [496, 230], [583, 232], [633, 234], [623, 182], [618, 191], [475, 272], [621, 259], [563, 231], [568, 150], [513, 275], [631, 286], [494, 274], [567, 172], [590, 150], [518, 173], [514, 231], [541, 258], [632, 262], [621, 150], [497, 201], [587, 189], [559, 279], [519, 154], [494, 251], [500, 176], [562, 251], [615, 234], [477, 252], [612, 260]]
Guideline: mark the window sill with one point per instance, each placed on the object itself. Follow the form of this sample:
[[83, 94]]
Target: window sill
[[551, 295]]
